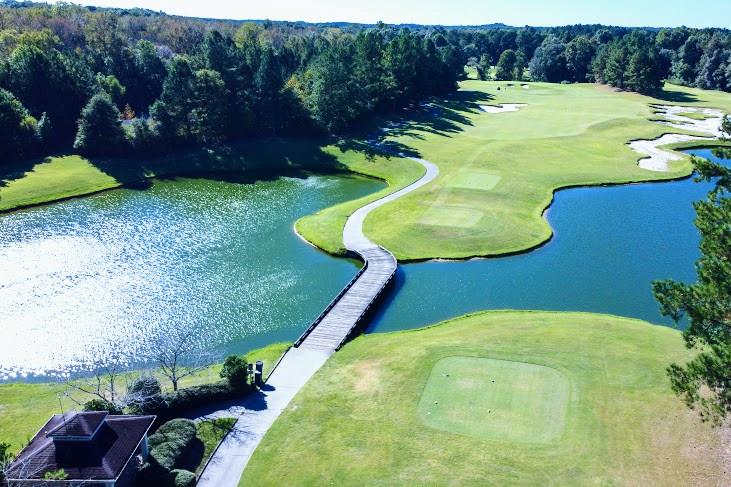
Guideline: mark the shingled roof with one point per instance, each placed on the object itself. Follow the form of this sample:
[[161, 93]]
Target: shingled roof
[[87, 446], [78, 425]]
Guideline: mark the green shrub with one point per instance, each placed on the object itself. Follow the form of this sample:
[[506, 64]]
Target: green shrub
[[176, 404], [171, 442], [6, 458], [56, 475], [102, 405], [145, 394], [183, 478], [235, 371]]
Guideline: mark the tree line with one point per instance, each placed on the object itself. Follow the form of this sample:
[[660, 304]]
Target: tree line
[[628, 58], [111, 82], [136, 82]]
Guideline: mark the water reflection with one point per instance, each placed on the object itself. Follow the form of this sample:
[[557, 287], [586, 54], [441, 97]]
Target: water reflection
[[119, 272]]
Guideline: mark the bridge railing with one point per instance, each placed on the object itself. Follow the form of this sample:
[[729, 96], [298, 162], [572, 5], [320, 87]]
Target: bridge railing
[[365, 310], [331, 305]]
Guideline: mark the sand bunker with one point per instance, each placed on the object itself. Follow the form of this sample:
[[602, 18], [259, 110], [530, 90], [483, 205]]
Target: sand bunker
[[503, 107], [658, 159], [710, 126]]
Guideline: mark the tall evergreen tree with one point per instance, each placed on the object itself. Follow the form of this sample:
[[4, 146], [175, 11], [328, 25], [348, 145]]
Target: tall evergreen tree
[[100, 128], [17, 129], [505, 69], [176, 102], [705, 381], [208, 115]]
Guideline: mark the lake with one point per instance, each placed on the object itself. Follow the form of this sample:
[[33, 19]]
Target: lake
[[120, 271], [609, 244], [217, 260]]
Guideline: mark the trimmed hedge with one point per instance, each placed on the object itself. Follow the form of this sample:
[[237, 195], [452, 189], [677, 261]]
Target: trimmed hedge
[[171, 442], [175, 404], [169, 447], [183, 478]]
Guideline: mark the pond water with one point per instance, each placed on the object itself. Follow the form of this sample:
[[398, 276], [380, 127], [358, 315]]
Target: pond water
[[120, 271], [216, 260], [609, 244]]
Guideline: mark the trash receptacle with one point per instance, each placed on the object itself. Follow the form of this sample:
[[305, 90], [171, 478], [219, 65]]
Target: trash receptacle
[[259, 373]]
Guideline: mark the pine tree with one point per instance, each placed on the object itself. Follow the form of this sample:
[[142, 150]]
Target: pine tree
[[100, 129]]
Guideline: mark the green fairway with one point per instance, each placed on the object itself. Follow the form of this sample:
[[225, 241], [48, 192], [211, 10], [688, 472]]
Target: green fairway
[[498, 171], [578, 399], [25, 407]]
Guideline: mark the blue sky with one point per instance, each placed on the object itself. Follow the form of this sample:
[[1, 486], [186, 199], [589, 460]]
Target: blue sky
[[693, 13]]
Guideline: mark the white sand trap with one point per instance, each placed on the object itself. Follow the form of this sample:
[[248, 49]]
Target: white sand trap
[[655, 157], [503, 107], [710, 126], [525, 86]]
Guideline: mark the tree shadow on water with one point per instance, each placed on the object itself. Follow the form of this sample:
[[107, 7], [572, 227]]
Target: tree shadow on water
[[265, 159], [245, 161]]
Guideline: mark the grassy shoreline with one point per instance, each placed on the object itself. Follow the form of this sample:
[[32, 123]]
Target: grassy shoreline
[[25, 406], [453, 218], [472, 221]]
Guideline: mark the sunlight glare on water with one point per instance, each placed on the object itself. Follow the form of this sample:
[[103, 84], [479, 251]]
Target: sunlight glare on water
[[117, 273]]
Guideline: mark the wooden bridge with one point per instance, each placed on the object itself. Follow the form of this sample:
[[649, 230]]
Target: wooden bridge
[[344, 313], [327, 333]]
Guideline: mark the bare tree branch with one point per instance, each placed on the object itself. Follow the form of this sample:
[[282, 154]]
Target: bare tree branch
[[181, 356]]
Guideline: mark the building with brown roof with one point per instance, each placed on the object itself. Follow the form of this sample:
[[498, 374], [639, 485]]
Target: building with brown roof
[[92, 448]]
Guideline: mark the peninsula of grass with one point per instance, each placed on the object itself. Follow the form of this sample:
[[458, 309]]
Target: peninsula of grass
[[496, 398], [498, 172], [26, 406]]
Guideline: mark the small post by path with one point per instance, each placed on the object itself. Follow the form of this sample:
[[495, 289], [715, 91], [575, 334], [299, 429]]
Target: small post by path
[[259, 373]]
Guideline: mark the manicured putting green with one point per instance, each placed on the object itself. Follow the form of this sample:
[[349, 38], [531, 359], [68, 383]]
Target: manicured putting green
[[495, 399], [449, 216], [476, 180]]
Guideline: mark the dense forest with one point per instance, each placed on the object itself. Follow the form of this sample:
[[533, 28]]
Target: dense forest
[[111, 82]]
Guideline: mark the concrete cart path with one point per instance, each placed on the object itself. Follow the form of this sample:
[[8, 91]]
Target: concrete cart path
[[257, 412]]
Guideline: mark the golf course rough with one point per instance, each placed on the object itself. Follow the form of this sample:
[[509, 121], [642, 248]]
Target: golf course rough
[[498, 171], [612, 418]]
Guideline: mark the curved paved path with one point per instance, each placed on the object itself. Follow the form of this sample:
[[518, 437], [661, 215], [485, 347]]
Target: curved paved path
[[257, 412]]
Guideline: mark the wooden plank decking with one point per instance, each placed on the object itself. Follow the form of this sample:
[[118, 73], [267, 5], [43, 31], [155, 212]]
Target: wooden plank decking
[[340, 319], [323, 337]]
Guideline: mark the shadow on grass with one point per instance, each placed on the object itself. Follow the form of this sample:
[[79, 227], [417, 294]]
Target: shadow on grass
[[439, 116], [242, 162], [263, 159], [17, 169], [675, 96]]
